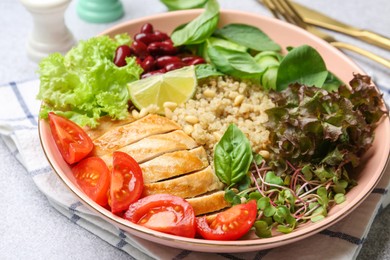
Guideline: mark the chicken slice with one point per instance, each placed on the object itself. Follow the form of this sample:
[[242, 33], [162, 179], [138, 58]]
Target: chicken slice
[[156, 145], [106, 123], [209, 203], [121, 136], [174, 164], [186, 186]]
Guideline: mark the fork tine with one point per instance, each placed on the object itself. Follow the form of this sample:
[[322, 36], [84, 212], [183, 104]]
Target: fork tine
[[294, 14], [288, 12], [278, 10], [271, 7]]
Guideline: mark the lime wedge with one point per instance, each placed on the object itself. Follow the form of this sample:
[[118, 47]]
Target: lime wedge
[[174, 86]]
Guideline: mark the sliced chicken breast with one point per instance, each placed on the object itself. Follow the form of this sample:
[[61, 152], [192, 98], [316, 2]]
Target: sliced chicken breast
[[174, 164], [155, 145], [121, 136], [106, 123], [186, 186], [208, 203]]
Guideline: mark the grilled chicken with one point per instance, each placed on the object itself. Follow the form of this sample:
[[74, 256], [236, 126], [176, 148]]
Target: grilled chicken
[[171, 161], [174, 164], [121, 136], [187, 186], [211, 202], [106, 123]]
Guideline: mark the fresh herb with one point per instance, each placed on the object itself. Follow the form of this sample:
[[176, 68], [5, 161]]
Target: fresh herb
[[202, 49], [230, 50], [317, 137], [183, 5], [235, 63], [232, 156], [303, 65], [269, 61], [332, 83], [86, 83], [199, 29], [334, 128], [206, 70], [248, 36]]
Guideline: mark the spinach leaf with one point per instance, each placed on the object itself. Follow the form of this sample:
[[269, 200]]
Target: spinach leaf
[[234, 63], [332, 83], [183, 5], [303, 65], [199, 29], [206, 70], [214, 41], [269, 61], [248, 36], [232, 156]]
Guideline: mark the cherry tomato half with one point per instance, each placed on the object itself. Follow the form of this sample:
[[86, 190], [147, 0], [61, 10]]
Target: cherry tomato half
[[126, 182], [164, 212], [72, 141], [93, 177], [230, 224]]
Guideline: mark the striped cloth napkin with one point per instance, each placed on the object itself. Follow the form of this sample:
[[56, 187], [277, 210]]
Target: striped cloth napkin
[[19, 131]]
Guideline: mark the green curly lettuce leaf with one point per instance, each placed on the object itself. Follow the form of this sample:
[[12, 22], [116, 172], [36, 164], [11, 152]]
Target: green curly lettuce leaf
[[86, 83]]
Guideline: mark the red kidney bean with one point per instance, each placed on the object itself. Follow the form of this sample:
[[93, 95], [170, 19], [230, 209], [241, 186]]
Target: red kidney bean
[[168, 41], [153, 72], [163, 36], [197, 61], [189, 59], [140, 49], [147, 38], [121, 53], [161, 48], [174, 66], [148, 63], [147, 28], [162, 61]]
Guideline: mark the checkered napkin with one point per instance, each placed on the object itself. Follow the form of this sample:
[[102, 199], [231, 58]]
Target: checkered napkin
[[18, 129]]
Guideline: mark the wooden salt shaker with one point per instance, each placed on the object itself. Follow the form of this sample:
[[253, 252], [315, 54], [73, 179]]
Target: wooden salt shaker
[[50, 33]]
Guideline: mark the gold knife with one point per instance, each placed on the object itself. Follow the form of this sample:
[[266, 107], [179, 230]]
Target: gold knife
[[313, 17]]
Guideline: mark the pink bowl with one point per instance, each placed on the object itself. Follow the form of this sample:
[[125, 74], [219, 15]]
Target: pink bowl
[[285, 34]]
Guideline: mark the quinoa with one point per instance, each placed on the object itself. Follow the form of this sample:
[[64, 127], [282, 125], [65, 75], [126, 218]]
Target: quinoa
[[219, 102]]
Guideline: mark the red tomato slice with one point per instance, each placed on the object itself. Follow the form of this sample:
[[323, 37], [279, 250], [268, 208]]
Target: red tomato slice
[[165, 213], [230, 224], [126, 182], [93, 177], [72, 141]]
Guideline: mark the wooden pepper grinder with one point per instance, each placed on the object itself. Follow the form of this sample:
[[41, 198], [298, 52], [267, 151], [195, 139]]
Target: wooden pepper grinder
[[49, 34], [100, 11]]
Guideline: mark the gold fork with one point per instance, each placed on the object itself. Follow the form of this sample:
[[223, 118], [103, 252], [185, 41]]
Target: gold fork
[[283, 9]]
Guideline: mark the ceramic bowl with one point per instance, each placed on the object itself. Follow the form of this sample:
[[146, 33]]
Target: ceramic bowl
[[285, 34]]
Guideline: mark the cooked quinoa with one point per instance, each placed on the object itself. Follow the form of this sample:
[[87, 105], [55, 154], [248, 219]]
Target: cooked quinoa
[[220, 102]]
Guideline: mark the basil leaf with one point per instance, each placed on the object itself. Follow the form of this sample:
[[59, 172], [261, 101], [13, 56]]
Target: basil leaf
[[206, 70], [183, 5], [232, 156], [248, 36], [234, 63], [199, 29], [303, 65]]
